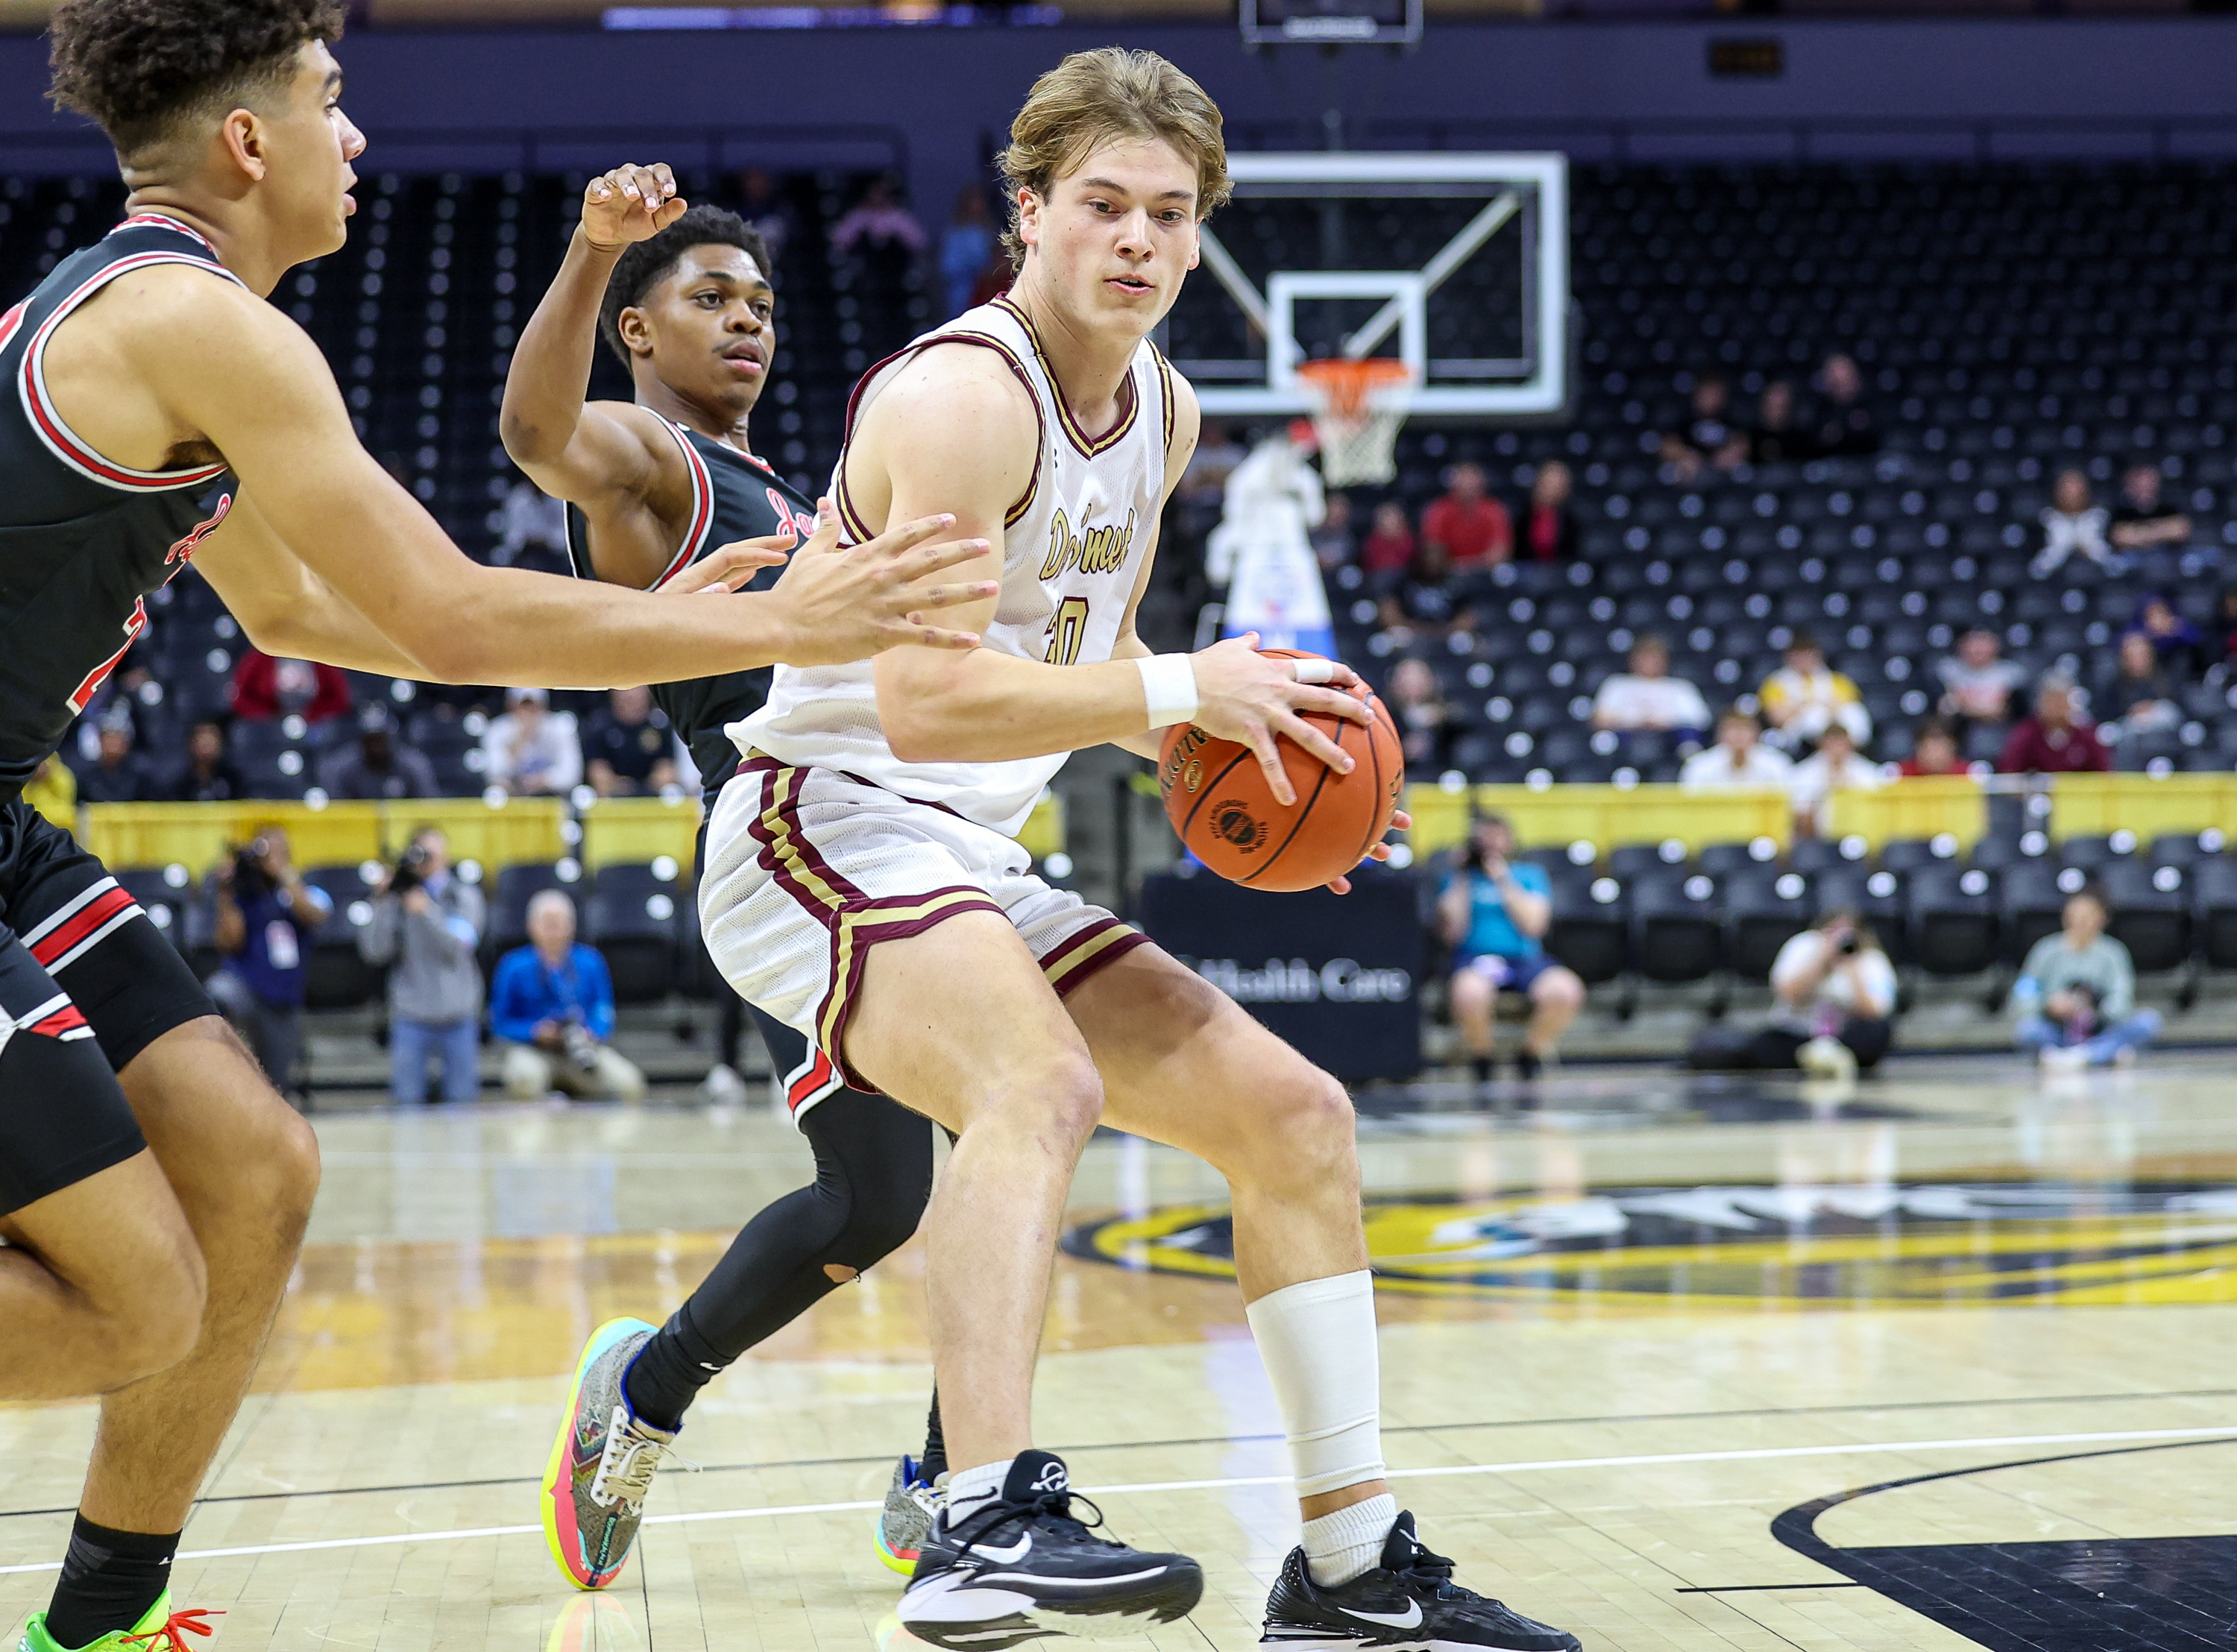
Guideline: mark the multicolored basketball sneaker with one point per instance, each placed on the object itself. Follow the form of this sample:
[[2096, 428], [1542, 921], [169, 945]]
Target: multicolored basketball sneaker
[[161, 1630], [911, 1504], [602, 1464]]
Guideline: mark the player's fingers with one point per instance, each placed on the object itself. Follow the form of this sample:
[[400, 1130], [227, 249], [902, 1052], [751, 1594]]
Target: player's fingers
[[826, 535], [1315, 742], [664, 175], [1340, 676], [1260, 739], [1339, 885], [1332, 702], [932, 559], [932, 637], [891, 543], [1379, 852], [954, 595], [1401, 821]]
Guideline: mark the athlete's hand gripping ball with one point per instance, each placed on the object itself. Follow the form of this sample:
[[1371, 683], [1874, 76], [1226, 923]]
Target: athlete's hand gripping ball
[[631, 203], [847, 602]]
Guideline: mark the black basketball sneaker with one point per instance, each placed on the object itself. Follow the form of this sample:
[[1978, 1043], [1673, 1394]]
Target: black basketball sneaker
[[1021, 1567], [1409, 1603]]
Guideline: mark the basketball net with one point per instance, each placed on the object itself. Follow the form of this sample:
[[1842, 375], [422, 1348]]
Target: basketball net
[[1357, 407]]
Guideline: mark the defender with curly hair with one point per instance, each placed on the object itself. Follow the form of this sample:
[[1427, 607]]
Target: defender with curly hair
[[153, 1188]]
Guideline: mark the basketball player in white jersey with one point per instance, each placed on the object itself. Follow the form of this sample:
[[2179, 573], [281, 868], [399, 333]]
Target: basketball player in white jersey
[[862, 885]]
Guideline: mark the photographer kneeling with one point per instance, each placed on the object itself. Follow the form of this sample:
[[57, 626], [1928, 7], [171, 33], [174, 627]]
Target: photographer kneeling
[[1834, 992], [427, 921], [1494, 912], [266, 917], [552, 1002]]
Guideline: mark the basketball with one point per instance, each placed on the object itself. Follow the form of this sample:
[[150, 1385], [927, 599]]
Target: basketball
[[1217, 798]]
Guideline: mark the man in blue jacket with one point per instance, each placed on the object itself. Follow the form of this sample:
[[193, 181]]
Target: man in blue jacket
[[552, 1005]]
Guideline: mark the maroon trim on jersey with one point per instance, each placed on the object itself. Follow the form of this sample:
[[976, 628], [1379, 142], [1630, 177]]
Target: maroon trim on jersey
[[853, 523], [702, 508], [63, 442], [1073, 962], [1097, 446]]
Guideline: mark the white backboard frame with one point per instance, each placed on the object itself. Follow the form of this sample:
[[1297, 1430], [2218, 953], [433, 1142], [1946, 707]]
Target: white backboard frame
[[1545, 390]]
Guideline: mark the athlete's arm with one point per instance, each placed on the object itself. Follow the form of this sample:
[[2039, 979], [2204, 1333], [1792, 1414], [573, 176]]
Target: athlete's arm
[[225, 364], [954, 426]]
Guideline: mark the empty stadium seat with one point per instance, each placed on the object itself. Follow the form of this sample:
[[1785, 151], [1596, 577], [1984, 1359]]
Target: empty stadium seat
[[2214, 892], [631, 918], [337, 977], [1952, 920], [1677, 924], [1765, 907], [1591, 929], [2151, 914]]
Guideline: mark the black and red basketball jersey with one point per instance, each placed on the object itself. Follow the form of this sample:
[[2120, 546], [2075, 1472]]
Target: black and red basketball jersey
[[83, 539]]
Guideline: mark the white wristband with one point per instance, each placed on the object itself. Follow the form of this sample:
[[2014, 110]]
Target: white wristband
[[1169, 685]]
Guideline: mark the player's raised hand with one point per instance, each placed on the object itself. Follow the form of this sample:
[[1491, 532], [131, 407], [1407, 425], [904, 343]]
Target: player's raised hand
[[1245, 695], [631, 203], [847, 602], [728, 567]]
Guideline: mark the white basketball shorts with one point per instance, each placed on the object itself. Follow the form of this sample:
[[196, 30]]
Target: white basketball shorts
[[808, 868]]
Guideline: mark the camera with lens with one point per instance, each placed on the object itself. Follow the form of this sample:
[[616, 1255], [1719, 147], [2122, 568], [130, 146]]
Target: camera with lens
[[1848, 945], [582, 1049], [250, 881], [410, 871]]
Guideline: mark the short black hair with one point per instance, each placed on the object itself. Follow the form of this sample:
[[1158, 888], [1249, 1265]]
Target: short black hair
[[645, 264], [138, 68]]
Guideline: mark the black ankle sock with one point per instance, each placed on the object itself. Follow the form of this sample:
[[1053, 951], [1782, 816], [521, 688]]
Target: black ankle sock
[[935, 1445], [109, 1580], [670, 1371]]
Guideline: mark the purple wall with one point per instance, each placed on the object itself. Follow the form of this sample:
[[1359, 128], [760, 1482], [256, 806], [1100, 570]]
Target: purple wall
[[2006, 87]]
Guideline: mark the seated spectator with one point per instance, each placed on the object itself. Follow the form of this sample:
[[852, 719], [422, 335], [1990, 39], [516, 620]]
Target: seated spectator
[[2072, 526], [1978, 682], [118, 772], [266, 916], [1417, 704], [1389, 545], [1844, 424], [630, 746], [2143, 517], [1835, 766], [1777, 439], [52, 791], [379, 765], [2180, 646], [1833, 995], [209, 776], [1549, 527], [2056, 739], [551, 1006], [1472, 529], [1933, 752], [763, 206], [2076, 994], [532, 751], [1494, 912], [1200, 498], [1422, 599], [965, 246], [880, 224], [265, 689], [1335, 544], [2141, 694], [1708, 438], [1738, 761], [1805, 697], [1647, 697]]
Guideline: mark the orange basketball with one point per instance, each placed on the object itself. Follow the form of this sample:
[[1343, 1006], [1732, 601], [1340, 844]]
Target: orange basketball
[[1218, 799]]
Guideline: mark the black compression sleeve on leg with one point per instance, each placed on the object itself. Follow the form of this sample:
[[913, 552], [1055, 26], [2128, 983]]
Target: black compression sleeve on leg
[[109, 1580], [935, 1443], [873, 1176]]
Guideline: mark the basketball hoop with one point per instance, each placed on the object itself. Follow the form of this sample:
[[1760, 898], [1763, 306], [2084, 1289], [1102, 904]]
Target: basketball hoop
[[1357, 408]]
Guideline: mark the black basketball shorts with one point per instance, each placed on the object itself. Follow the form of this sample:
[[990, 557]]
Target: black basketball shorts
[[86, 983]]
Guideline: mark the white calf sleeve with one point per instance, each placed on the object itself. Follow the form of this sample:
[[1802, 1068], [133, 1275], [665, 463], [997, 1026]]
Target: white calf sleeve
[[1317, 1341]]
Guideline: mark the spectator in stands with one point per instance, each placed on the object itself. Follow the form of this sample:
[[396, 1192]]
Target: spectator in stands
[[1835, 766], [1738, 761], [1495, 911], [880, 224], [1833, 995], [2077, 993], [1933, 751], [2056, 739], [1549, 527], [427, 922], [532, 530], [379, 765], [52, 791], [2180, 646], [1335, 544], [1709, 437], [265, 689], [1388, 550], [1418, 701], [2143, 517], [532, 751], [1648, 697], [1805, 697], [1977, 682], [209, 776], [1777, 439], [552, 1002], [118, 774], [1422, 599], [1844, 426], [765, 209], [2072, 525], [630, 746], [965, 246], [266, 916], [1471, 528], [1201, 497], [2141, 694], [2222, 643]]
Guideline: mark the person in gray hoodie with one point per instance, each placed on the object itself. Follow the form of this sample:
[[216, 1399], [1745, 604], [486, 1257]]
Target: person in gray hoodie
[[2076, 994], [427, 922]]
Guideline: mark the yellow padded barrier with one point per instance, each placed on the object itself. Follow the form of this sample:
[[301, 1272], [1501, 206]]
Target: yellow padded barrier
[[1043, 834], [196, 835], [1926, 805], [637, 830], [2083, 805], [1604, 815]]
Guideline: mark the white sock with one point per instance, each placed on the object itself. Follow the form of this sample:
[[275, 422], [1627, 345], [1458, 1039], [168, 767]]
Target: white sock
[[1316, 1339], [970, 1490], [1341, 1546]]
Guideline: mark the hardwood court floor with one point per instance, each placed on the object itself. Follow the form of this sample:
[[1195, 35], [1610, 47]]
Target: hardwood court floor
[[1638, 1351]]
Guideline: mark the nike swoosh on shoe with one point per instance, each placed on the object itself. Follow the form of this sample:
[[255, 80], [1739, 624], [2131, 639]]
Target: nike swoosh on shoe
[[1406, 1620]]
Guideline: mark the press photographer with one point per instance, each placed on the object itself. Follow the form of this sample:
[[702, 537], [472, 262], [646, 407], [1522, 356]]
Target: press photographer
[[265, 916], [1495, 911], [427, 922], [552, 1003]]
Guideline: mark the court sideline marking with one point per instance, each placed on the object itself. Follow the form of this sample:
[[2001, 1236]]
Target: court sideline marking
[[1539, 1466]]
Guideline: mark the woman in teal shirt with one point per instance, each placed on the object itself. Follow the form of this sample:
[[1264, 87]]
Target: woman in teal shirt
[[1495, 913]]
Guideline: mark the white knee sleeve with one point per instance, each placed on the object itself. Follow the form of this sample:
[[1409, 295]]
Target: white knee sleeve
[[1317, 1341]]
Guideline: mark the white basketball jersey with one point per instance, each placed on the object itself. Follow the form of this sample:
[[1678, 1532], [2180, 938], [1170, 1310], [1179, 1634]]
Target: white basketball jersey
[[1072, 551]]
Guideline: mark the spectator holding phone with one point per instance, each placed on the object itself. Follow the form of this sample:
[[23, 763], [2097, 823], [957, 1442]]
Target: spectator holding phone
[[1495, 913], [2076, 994]]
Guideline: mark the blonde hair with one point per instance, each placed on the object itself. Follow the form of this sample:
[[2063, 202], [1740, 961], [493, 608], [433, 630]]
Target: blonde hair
[[1094, 96]]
